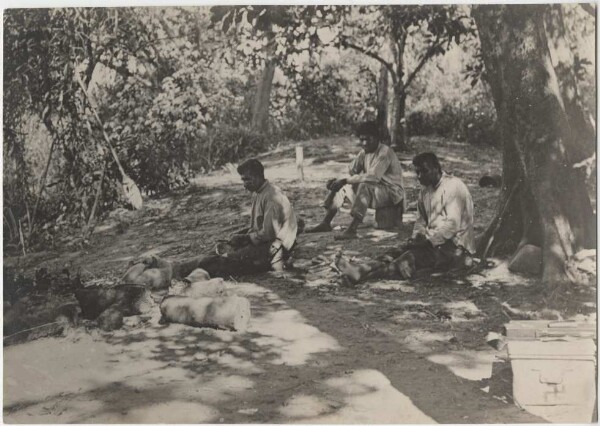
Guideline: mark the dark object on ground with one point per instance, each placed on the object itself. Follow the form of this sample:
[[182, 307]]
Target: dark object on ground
[[110, 319], [68, 312], [494, 181], [301, 226], [231, 312], [389, 217], [129, 299], [42, 280], [527, 260], [15, 285]]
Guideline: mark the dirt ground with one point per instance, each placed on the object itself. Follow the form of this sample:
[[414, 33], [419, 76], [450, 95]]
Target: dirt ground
[[316, 351]]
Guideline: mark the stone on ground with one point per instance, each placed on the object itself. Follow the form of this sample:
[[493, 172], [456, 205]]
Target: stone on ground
[[528, 260]]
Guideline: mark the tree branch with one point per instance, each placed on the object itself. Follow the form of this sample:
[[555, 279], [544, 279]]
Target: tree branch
[[375, 56], [424, 59]]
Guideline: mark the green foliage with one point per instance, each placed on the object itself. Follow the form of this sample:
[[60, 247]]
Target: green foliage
[[318, 104], [158, 84], [453, 123], [227, 143]]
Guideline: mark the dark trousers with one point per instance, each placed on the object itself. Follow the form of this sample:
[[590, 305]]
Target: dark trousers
[[426, 258], [249, 259]]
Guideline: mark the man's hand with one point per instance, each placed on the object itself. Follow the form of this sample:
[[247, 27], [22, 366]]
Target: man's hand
[[240, 240], [418, 241], [338, 184]]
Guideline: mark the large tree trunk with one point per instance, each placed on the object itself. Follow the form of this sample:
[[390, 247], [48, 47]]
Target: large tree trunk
[[260, 111], [561, 53], [383, 102], [398, 122], [544, 198]]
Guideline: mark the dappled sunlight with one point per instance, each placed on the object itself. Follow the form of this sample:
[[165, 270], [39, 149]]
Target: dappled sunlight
[[363, 396], [462, 161], [421, 341], [302, 406], [499, 274], [167, 412], [286, 335], [185, 371], [399, 285], [471, 365], [378, 235], [463, 310]]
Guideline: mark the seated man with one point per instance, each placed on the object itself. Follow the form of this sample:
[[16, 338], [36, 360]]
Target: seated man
[[266, 244], [443, 234], [375, 181]]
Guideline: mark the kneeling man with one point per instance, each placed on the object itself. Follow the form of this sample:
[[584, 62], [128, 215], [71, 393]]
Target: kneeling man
[[443, 234], [375, 181], [264, 246]]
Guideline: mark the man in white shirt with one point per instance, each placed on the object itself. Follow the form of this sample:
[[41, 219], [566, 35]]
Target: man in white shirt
[[443, 234], [375, 181], [263, 246]]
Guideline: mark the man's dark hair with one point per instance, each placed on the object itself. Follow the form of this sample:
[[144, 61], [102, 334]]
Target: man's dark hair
[[428, 158], [253, 167], [368, 128]]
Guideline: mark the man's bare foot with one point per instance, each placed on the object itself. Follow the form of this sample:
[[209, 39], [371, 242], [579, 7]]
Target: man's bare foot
[[321, 227], [346, 235], [349, 271]]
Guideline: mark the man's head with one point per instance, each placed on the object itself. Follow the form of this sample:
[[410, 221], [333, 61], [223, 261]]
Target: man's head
[[369, 135], [427, 168], [252, 173]]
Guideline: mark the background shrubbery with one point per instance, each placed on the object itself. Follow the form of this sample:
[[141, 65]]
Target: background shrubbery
[[176, 91]]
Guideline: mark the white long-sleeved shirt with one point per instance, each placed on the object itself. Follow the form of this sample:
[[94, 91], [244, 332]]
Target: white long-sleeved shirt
[[381, 166], [446, 213], [272, 217]]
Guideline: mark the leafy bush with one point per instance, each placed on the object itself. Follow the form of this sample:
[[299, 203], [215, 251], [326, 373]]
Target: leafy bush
[[316, 103], [470, 126], [226, 143]]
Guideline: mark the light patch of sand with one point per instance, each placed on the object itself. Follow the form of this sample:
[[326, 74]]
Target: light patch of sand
[[471, 365], [300, 406], [286, 334], [155, 373], [366, 396], [496, 275], [392, 285], [380, 235], [169, 412], [462, 310], [422, 341]]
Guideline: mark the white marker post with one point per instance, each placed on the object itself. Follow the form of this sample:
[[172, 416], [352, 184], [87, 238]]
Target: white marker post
[[300, 162]]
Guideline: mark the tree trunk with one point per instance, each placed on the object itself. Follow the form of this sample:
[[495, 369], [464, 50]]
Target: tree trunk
[[552, 201], [383, 102], [260, 112], [398, 122], [561, 53]]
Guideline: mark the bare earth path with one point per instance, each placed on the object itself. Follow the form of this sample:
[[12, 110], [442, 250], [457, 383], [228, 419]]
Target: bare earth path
[[315, 352]]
